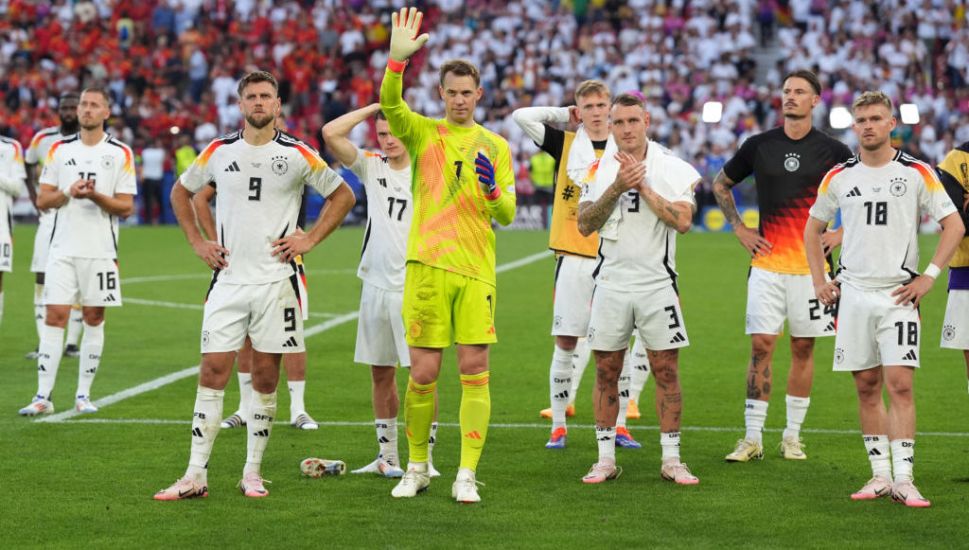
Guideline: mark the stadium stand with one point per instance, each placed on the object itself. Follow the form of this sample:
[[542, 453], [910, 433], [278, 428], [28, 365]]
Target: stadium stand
[[173, 64]]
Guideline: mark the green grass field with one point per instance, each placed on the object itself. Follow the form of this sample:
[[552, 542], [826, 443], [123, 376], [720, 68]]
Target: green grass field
[[89, 481]]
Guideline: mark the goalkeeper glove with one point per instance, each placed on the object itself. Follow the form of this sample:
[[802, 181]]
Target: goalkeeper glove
[[403, 34], [486, 176]]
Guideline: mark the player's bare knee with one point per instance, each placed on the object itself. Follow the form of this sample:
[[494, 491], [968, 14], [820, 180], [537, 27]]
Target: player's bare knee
[[383, 375], [93, 316], [567, 343], [57, 316], [802, 349], [762, 345]]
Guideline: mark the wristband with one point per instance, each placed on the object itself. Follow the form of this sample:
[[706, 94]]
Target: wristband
[[396, 66], [932, 271]]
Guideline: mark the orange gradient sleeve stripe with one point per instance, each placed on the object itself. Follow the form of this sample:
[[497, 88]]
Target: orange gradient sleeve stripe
[[50, 153], [314, 160], [823, 188], [203, 159], [932, 183], [129, 165], [18, 152]]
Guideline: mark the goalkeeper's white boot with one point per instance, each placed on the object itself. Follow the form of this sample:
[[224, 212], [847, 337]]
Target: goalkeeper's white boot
[[36, 407], [386, 467], [83, 405], [415, 480], [182, 489], [746, 451], [465, 487]]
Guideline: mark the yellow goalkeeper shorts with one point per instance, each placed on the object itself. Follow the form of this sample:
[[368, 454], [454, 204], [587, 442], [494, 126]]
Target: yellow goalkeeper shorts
[[441, 308]]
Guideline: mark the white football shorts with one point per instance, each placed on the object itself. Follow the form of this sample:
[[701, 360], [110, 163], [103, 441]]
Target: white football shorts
[[955, 326], [45, 230], [268, 313], [94, 282], [572, 301], [873, 331], [655, 316], [381, 339], [773, 297], [6, 244]]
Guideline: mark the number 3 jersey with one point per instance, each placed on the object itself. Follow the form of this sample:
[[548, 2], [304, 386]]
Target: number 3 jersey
[[260, 188], [82, 229], [389, 211], [881, 210]]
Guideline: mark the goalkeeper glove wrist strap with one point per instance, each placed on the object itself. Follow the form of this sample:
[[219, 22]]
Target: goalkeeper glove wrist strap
[[396, 66]]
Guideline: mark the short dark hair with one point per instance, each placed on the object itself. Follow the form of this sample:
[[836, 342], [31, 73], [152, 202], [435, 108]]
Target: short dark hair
[[629, 100], [381, 116], [811, 78], [255, 77], [66, 96], [97, 90], [460, 67]]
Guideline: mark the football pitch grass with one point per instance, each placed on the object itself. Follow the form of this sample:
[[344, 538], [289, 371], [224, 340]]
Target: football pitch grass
[[88, 481]]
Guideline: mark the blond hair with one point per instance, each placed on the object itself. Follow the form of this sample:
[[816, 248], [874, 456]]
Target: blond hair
[[872, 98], [589, 87]]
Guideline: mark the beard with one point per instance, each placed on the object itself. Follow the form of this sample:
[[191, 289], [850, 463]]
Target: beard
[[93, 126], [874, 146], [260, 123], [69, 126]]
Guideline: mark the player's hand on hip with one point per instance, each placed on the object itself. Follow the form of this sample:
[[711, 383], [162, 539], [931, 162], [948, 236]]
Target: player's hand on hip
[[486, 174], [212, 253], [914, 291], [753, 241], [831, 240], [828, 292], [404, 41], [291, 246]]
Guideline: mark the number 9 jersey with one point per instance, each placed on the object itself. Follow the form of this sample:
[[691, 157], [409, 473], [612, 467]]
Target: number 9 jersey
[[260, 188]]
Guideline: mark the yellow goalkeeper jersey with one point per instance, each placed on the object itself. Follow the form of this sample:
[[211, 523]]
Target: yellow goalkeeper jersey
[[451, 226]]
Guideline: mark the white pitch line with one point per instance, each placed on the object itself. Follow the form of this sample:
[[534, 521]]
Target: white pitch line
[[192, 371], [522, 426], [199, 307]]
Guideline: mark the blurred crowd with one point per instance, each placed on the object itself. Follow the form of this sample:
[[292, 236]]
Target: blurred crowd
[[172, 65]]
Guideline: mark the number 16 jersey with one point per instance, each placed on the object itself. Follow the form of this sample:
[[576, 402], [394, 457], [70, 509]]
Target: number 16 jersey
[[260, 188]]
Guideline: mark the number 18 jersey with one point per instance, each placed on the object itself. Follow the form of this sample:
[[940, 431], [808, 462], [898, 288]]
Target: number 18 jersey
[[260, 189]]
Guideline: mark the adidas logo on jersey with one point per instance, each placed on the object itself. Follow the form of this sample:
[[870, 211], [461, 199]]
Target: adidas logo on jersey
[[678, 338], [233, 167], [291, 343], [910, 356], [71, 162], [855, 192]]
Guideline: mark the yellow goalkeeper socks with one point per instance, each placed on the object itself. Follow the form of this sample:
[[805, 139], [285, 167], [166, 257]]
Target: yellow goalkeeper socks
[[475, 413], [418, 415]]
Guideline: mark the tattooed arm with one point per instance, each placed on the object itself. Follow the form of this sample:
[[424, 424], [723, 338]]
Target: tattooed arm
[[750, 239], [678, 215], [592, 215]]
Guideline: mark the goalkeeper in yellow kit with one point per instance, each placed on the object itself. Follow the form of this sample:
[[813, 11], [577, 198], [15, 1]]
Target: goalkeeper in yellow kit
[[461, 179]]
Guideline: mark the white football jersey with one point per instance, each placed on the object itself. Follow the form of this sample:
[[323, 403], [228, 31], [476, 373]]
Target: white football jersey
[[389, 209], [260, 189], [12, 173], [637, 251], [36, 153], [881, 209], [81, 228]]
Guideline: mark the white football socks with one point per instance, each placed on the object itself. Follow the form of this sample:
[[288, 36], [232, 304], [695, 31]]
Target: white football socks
[[670, 443], [640, 373], [1, 307], [49, 359], [296, 404], [74, 323], [580, 359], [205, 428], [40, 310], [387, 439], [560, 385], [91, 347], [903, 458], [260, 427], [878, 455], [797, 408], [606, 439], [245, 394], [755, 414]]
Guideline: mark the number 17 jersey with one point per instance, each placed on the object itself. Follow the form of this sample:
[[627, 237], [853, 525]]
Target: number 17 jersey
[[260, 189]]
